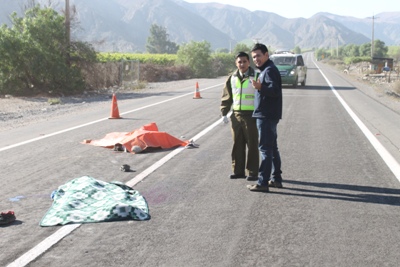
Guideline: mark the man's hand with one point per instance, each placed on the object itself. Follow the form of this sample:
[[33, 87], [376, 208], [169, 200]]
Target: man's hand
[[225, 119], [256, 84]]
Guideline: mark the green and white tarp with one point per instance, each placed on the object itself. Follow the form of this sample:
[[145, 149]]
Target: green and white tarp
[[87, 200]]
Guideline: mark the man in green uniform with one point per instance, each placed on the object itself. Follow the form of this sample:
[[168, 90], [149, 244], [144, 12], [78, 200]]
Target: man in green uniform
[[238, 95]]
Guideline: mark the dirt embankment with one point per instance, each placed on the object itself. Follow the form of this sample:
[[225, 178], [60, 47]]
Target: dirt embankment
[[384, 87]]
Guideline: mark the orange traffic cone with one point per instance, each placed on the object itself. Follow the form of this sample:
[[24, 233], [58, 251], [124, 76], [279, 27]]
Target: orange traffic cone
[[197, 92], [114, 108]]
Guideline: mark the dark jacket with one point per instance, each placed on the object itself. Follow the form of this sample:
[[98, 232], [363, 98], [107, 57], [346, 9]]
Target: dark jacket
[[268, 100]]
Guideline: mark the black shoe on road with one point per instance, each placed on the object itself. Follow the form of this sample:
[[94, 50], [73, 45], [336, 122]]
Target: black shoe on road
[[237, 176], [275, 184], [6, 218], [252, 178]]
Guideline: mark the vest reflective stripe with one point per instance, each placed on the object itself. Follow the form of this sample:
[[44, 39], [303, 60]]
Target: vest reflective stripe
[[242, 94]]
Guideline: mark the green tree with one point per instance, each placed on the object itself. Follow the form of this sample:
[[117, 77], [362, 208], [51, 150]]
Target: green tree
[[365, 50], [297, 50], [196, 55], [394, 52], [345, 50], [354, 51], [321, 53], [240, 47], [34, 53], [158, 42], [222, 50], [380, 49]]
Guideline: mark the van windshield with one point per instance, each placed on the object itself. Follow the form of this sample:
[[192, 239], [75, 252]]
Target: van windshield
[[283, 60]]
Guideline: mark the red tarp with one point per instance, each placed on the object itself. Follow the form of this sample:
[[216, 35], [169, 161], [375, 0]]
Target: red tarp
[[144, 137]]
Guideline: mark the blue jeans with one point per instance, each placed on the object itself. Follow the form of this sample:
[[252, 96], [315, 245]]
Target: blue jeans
[[268, 146]]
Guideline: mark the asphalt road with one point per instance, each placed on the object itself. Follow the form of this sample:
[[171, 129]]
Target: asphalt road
[[339, 205]]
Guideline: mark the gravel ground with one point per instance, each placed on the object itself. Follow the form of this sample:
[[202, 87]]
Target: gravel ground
[[20, 111], [382, 92]]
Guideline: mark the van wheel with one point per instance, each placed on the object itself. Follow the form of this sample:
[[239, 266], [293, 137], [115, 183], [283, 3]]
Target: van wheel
[[295, 82], [303, 83]]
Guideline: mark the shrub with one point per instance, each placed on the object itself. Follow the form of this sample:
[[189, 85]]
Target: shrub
[[35, 56], [102, 75], [197, 56], [159, 59], [222, 64], [157, 73], [352, 60]]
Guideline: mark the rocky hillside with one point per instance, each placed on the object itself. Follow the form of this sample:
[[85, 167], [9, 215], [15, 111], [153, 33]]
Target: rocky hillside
[[123, 25]]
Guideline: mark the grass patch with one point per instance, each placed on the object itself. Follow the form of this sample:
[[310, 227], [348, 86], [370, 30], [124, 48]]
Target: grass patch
[[140, 85], [134, 86], [54, 101]]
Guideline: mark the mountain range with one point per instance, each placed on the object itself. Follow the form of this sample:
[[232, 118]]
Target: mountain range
[[123, 25]]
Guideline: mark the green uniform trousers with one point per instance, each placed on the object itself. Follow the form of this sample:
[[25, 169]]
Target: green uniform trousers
[[244, 133]]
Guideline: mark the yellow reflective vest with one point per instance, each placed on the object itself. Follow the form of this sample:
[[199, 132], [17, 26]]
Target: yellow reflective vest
[[242, 93]]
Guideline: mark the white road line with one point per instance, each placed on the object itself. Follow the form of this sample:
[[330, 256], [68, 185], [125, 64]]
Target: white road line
[[43, 246], [162, 161], [100, 120], [47, 243], [390, 161]]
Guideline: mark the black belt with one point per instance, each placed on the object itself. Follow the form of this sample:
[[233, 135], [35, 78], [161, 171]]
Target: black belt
[[245, 112]]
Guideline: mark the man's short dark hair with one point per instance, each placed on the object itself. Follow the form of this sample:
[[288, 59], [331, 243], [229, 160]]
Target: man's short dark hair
[[242, 54], [261, 47]]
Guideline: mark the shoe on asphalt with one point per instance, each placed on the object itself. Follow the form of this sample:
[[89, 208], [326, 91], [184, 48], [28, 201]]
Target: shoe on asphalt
[[125, 168], [237, 176], [252, 178], [6, 218], [275, 184], [258, 188]]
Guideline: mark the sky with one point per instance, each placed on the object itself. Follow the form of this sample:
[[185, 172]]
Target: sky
[[308, 8]]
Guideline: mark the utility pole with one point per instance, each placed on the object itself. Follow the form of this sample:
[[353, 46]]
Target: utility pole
[[372, 39], [337, 47], [67, 29], [230, 45]]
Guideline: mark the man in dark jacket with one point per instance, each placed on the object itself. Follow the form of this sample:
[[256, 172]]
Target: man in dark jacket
[[268, 112], [238, 95]]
